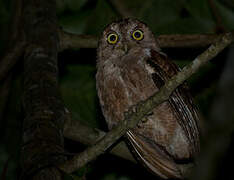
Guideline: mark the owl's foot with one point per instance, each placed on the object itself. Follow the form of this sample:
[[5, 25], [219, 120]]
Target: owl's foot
[[144, 120], [130, 111]]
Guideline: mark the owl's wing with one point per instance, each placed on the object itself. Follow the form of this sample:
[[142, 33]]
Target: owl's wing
[[153, 157], [180, 100]]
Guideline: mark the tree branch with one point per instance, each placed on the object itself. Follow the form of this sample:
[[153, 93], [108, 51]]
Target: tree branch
[[77, 131], [187, 40], [75, 41], [136, 113]]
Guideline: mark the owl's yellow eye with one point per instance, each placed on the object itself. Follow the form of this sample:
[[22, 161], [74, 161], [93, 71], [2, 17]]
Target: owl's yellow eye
[[112, 38], [138, 35]]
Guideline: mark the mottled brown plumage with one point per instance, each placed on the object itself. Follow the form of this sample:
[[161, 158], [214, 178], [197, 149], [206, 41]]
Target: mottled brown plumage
[[130, 68]]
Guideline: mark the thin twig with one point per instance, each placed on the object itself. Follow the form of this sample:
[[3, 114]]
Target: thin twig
[[136, 113], [11, 58], [217, 17], [16, 43]]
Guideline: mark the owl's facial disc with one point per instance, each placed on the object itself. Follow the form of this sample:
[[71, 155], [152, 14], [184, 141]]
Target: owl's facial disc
[[126, 36], [122, 43]]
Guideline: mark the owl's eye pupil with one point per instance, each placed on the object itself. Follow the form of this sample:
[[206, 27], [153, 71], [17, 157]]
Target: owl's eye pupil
[[137, 34], [112, 37]]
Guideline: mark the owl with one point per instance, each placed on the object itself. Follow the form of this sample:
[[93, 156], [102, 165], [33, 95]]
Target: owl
[[130, 69]]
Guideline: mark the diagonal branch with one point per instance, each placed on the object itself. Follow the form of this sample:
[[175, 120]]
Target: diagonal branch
[[77, 131], [135, 114]]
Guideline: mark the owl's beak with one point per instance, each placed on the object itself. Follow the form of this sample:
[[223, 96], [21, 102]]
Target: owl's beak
[[125, 48]]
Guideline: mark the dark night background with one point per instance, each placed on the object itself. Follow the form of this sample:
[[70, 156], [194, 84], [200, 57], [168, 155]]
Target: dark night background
[[77, 73]]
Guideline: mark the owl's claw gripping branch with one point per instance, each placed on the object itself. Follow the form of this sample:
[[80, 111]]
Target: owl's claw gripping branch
[[144, 119], [145, 107]]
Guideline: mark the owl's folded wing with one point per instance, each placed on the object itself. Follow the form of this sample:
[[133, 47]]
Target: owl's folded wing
[[153, 158], [181, 101]]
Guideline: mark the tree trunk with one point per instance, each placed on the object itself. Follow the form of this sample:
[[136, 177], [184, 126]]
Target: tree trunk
[[42, 146]]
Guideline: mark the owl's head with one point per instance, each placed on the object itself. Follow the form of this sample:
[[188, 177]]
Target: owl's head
[[121, 37]]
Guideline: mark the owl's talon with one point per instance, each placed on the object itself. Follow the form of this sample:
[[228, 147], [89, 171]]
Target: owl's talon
[[140, 125], [133, 109], [144, 119], [126, 114], [150, 114]]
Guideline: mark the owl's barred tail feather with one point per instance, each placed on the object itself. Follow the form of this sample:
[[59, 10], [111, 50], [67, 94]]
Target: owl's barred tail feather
[[154, 159]]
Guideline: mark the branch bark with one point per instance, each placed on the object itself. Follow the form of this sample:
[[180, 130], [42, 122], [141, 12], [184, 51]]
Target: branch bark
[[75, 41], [42, 145], [136, 113], [76, 131]]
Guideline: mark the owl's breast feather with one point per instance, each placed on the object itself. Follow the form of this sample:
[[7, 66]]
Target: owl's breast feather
[[126, 83], [123, 83]]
